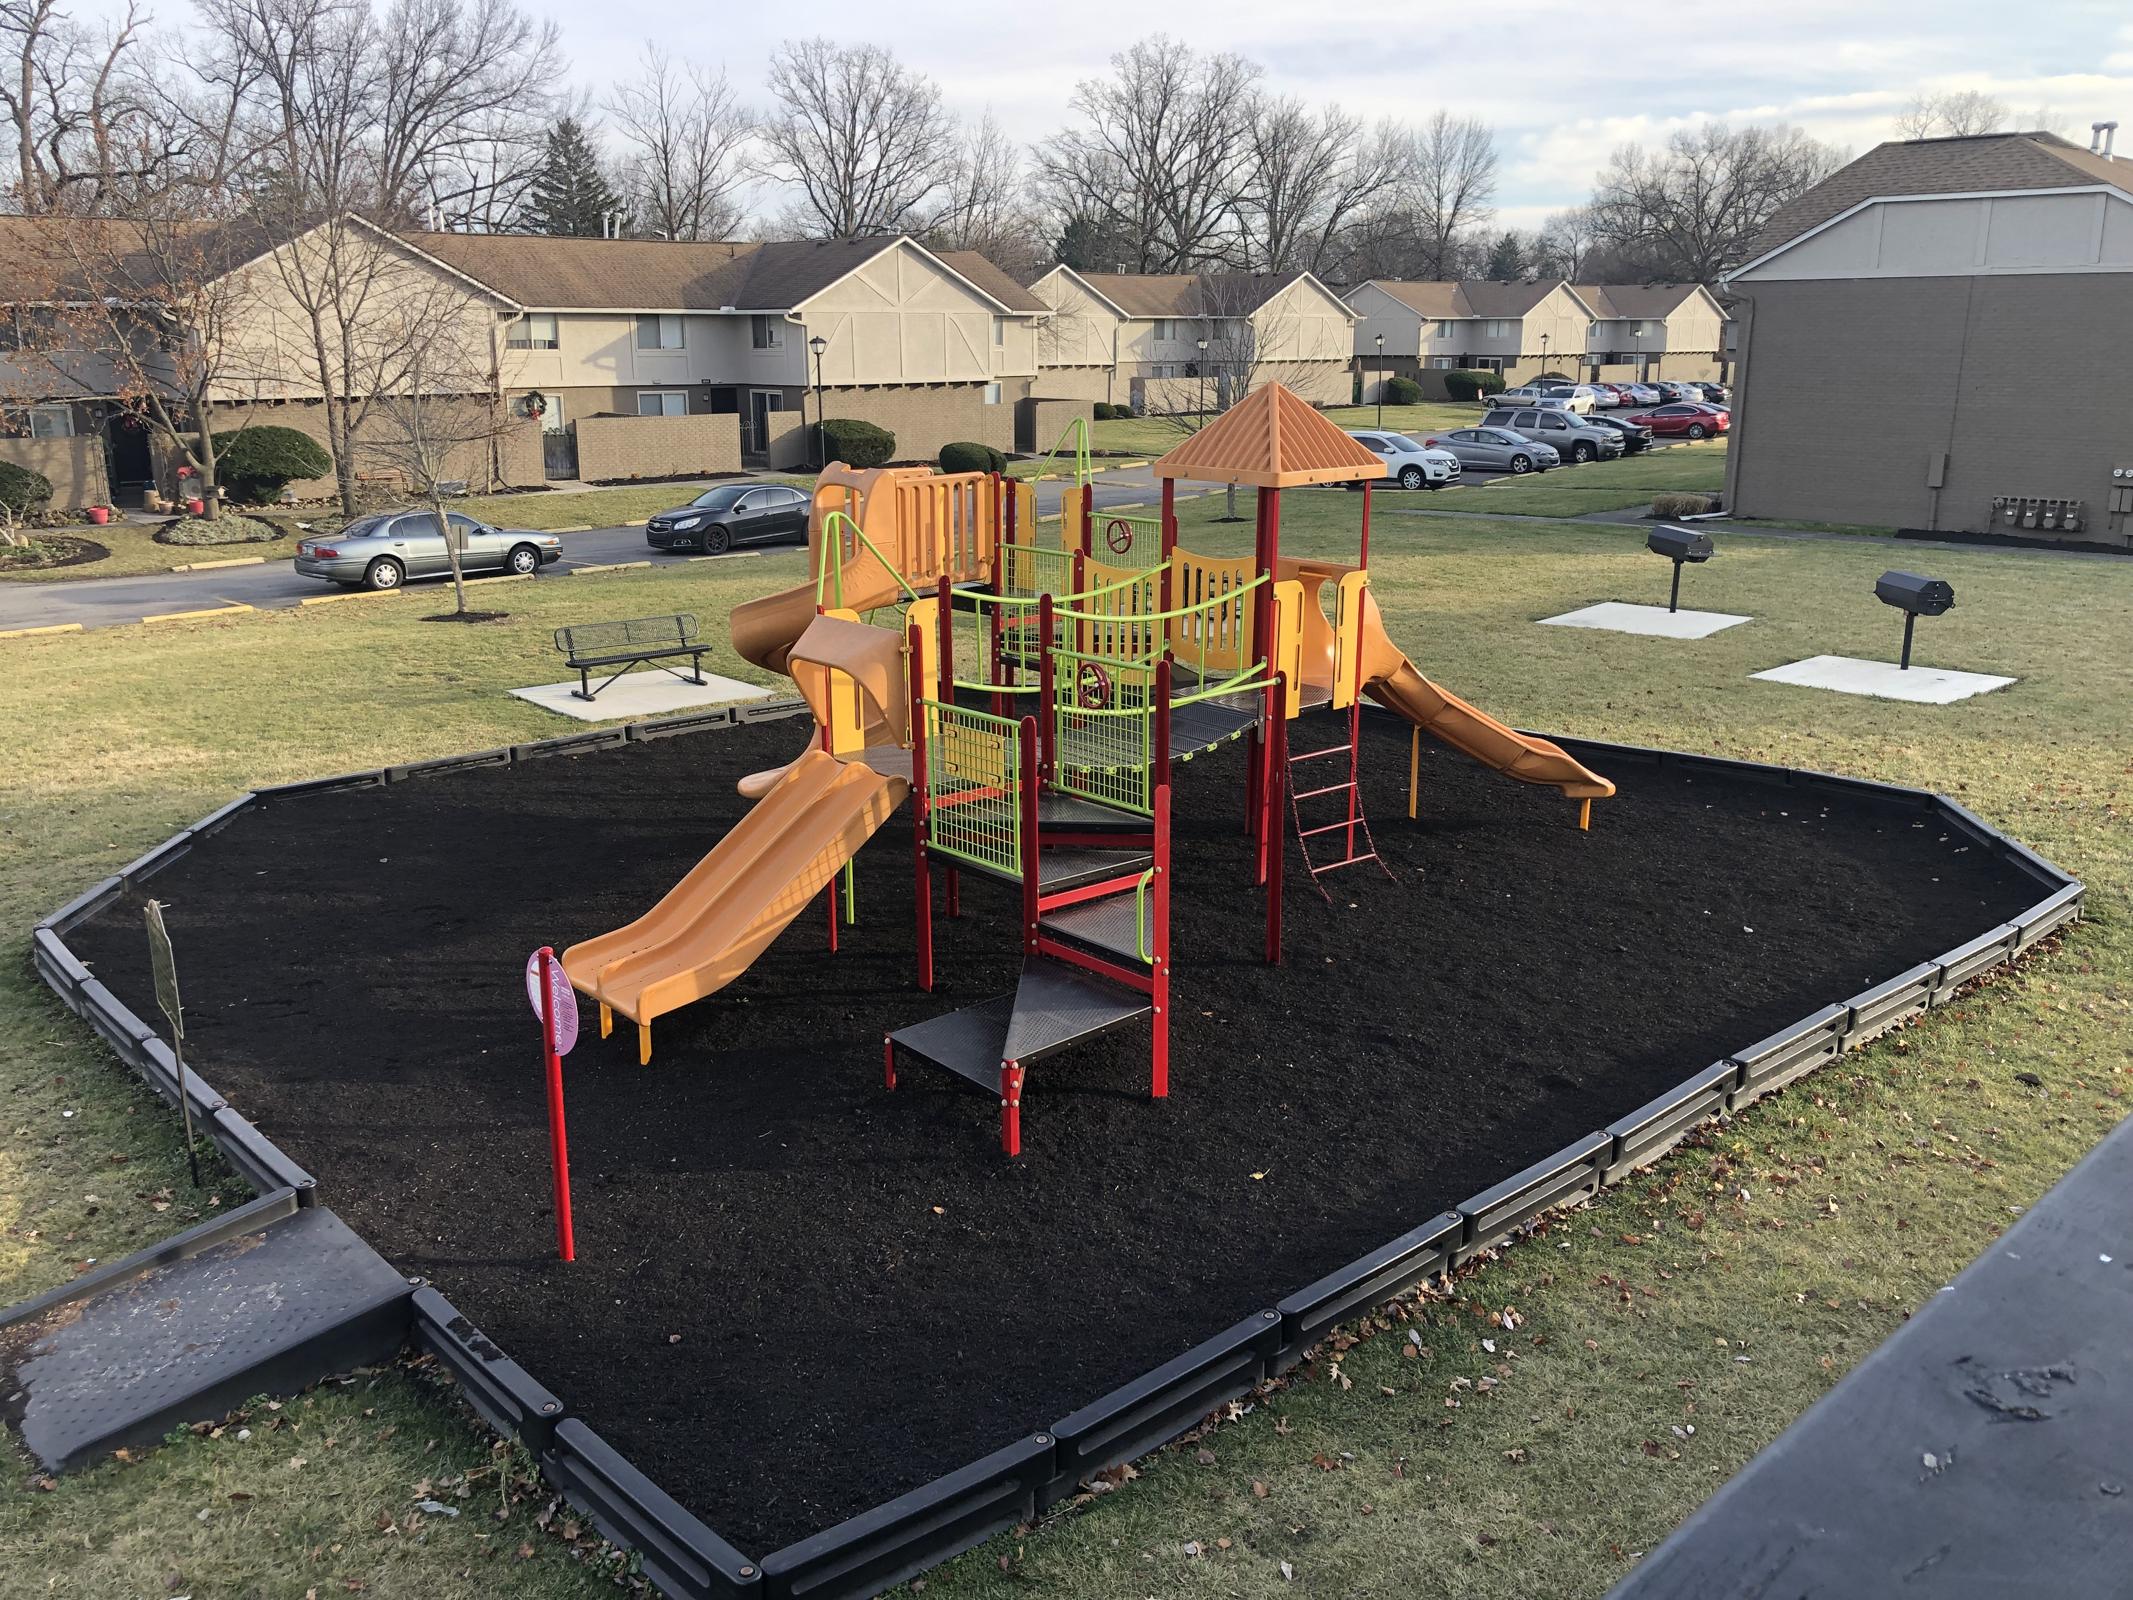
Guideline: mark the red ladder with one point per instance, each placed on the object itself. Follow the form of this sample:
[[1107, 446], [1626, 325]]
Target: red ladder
[[1351, 824]]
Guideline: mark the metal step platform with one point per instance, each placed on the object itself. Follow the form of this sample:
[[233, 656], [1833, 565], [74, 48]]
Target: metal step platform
[[1072, 867], [1205, 724], [966, 1042], [268, 1310], [1072, 814], [1056, 1006], [1110, 926]]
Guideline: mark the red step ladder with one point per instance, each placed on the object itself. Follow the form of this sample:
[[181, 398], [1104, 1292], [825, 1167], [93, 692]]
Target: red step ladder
[[1307, 783]]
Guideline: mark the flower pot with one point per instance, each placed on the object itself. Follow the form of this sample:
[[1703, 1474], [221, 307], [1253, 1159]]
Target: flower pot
[[196, 506], [99, 515]]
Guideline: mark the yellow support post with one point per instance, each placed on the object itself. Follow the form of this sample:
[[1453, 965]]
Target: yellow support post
[[1414, 772], [644, 1044], [607, 1019], [1584, 814]]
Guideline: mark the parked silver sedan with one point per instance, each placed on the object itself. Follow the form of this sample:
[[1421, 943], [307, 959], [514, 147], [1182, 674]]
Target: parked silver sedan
[[386, 550], [1496, 450]]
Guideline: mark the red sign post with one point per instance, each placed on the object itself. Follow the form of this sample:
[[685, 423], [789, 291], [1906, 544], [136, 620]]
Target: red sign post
[[556, 1004]]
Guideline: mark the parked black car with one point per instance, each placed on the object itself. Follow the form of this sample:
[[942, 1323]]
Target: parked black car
[[1635, 436], [730, 514]]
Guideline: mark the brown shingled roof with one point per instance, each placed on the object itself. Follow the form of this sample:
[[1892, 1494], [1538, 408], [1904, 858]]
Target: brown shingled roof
[[1633, 302], [1441, 300], [980, 270], [1966, 165], [1469, 297], [1271, 439], [1189, 294]]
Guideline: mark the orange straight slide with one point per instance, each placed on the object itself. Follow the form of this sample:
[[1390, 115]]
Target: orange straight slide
[[711, 926], [1393, 681]]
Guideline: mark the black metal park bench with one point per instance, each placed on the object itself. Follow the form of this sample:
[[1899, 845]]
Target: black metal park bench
[[592, 646]]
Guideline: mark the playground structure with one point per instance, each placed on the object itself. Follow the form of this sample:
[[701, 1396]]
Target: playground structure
[[1045, 762]]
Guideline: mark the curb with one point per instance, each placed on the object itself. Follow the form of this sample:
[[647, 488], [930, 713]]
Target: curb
[[35, 633], [233, 561], [188, 616], [613, 566], [582, 527], [358, 594]]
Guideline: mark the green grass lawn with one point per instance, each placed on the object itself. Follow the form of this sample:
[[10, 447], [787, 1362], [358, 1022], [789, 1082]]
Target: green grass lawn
[[135, 551], [1151, 436], [1797, 1237], [1596, 486]]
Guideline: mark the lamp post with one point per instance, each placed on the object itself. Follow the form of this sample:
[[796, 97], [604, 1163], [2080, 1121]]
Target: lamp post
[[1200, 366], [1636, 348], [1381, 382], [818, 344], [1544, 357]]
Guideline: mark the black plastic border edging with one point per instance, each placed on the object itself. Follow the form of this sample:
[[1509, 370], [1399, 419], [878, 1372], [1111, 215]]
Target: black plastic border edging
[[683, 1556]]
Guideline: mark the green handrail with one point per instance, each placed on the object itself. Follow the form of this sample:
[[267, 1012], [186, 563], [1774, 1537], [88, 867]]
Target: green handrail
[[1079, 428], [981, 598], [1142, 945], [829, 531], [1221, 599]]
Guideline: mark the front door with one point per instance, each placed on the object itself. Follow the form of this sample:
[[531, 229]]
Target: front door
[[127, 458], [761, 403]]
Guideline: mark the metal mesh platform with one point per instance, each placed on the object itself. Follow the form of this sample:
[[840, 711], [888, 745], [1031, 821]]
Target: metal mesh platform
[[1071, 812], [1055, 1006], [969, 1043], [1207, 723], [1111, 926], [267, 1312]]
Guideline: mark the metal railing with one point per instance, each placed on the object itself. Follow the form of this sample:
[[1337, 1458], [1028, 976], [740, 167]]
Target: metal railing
[[973, 784]]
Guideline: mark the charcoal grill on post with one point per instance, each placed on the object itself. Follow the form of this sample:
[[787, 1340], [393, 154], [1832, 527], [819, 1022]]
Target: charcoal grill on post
[[1915, 596], [1679, 545]]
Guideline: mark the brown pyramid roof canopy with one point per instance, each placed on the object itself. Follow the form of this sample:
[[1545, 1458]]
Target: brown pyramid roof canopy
[[1270, 439]]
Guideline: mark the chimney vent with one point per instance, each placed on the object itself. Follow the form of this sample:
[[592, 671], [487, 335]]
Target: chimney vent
[[2102, 135]]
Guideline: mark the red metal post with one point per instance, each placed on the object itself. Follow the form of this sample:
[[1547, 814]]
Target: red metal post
[[1011, 1107], [1013, 507], [1159, 911], [1277, 770], [1362, 558], [921, 802], [1026, 798], [1088, 517], [1254, 754], [1355, 700], [566, 1247], [1047, 706], [888, 1062], [945, 593], [1170, 516]]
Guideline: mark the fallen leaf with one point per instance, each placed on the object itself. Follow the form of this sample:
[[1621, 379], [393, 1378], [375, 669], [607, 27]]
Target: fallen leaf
[[1259, 1489], [1288, 1573]]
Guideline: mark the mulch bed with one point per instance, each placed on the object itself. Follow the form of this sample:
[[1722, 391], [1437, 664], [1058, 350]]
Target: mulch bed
[[798, 1294], [48, 550]]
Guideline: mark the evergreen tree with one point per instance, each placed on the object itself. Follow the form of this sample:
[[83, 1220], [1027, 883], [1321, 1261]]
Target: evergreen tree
[[1086, 247], [1507, 259], [572, 196]]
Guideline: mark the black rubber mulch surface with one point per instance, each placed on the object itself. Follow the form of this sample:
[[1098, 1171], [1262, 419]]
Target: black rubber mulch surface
[[866, 1293]]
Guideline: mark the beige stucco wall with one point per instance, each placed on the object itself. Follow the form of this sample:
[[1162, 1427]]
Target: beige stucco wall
[[1089, 384], [617, 448], [1377, 312], [1304, 322], [903, 318], [1081, 332], [74, 467]]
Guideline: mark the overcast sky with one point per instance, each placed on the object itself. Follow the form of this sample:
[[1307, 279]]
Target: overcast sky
[[1562, 84]]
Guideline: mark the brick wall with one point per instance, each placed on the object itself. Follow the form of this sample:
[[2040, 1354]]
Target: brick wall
[[1039, 423], [612, 448], [1076, 383], [74, 467], [512, 459], [791, 443], [926, 416]]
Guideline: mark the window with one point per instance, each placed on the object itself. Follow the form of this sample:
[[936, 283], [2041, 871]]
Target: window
[[52, 422], [1444, 330], [1442, 363], [659, 331], [1165, 329], [662, 403], [1496, 330], [992, 394], [766, 333], [999, 332], [536, 330]]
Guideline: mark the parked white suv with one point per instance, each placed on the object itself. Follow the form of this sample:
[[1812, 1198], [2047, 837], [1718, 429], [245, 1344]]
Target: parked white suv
[[1410, 465]]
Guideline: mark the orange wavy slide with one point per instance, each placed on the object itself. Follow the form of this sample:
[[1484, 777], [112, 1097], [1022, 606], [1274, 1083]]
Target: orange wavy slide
[[713, 924], [1393, 681]]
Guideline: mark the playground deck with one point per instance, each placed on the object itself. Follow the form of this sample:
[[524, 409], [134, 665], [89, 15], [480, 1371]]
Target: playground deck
[[787, 1307]]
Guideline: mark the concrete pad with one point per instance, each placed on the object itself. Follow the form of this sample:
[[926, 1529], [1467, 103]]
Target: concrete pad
[[641, 693], [1654, 622], [1928, 686]]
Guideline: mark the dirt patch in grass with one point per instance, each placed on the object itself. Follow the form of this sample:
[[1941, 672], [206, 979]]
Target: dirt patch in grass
[[468, 616], [232, 527], [798, 1294]]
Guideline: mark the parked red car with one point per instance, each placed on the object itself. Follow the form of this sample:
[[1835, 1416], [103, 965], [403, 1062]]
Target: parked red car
[[1685, 421]]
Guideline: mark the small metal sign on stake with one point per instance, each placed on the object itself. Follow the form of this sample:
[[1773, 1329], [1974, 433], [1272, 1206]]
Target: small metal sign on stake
[[165, 964]]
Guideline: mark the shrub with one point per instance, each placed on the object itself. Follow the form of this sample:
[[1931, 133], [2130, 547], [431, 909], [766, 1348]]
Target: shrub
[[22, 491], [1402, 392], [1106, 412], [1682, 505], [256, 464], [964, 456], [856, 443], [1462, 384]]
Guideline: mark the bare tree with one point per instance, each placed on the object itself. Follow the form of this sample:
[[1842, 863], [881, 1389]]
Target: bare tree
[[987, 207], [1685, 212], [1157, 159], [1452, 186], [863, 137], [684, 134], [1564, 243], [445, 420], [146, 311], [1951, 113], [1307, 178], [84, 110], [449, 73]]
